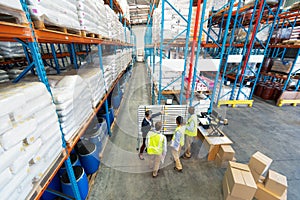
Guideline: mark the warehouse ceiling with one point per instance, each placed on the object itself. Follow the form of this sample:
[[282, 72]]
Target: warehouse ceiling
[[139, 10]]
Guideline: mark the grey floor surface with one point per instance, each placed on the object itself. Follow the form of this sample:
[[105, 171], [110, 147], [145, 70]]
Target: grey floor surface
[[272, 130]]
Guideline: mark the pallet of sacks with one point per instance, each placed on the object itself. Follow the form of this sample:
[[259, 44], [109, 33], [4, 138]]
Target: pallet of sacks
[[30, 138], [245, 181]]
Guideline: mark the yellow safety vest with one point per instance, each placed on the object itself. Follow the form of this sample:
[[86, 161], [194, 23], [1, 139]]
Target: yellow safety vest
[[194, 132], [155, 143], [181, 130]]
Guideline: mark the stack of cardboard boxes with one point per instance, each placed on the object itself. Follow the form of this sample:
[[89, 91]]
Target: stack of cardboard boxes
[[225, 154], [259, 164], [238, 183], [242, 182], [274, 187]]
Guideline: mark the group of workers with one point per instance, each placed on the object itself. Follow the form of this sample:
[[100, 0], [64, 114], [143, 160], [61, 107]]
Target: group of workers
[[156, 142]]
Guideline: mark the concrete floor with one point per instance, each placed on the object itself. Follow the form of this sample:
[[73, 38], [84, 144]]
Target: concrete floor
[[272, 130]]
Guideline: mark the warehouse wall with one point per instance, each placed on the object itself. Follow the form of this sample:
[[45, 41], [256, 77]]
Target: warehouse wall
[[139, 31]]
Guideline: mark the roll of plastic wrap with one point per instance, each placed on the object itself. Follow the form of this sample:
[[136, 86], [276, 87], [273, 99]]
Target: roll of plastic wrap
[[18, 133]]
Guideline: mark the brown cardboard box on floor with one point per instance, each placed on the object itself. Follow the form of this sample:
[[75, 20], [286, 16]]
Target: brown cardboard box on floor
[[263, 194], [276, 183], [240, 181], [226, 191], [259, 163], [221, 163], [226, 152], [256, 176]]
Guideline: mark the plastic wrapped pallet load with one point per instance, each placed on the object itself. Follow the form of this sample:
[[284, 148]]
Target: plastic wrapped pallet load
[[93, 78], [11, 49], [92, 16], [14, 9], [27, 110], [62, 13], [73, 103], [4, 77]]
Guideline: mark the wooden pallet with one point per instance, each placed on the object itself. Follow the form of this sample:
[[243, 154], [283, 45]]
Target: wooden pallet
[[14, 16], [40, 25], [293, 42], [233, 103], [90, 35], [294, 102]]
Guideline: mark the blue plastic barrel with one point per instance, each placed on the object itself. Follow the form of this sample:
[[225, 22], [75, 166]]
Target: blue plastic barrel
[[89, 156], [74, 161], [94, 135], [81, 179], [102, 113], [115, 101], [54, 185]]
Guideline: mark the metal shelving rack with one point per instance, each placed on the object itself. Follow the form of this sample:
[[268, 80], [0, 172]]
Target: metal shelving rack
[[30, 38], [287, 19], [252, 50]]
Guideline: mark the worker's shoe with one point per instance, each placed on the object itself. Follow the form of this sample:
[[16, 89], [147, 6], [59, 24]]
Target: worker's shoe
[[154, 176], [186, 157], [176, 169], [141, 157]]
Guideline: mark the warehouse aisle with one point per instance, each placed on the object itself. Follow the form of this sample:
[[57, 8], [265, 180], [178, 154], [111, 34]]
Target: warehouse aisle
[[124, 176]]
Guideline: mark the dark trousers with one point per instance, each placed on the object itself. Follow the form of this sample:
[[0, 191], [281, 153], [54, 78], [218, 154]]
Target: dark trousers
[[143, 146]]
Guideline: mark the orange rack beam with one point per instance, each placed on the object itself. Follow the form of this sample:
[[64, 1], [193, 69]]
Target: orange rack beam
[[10, 31]]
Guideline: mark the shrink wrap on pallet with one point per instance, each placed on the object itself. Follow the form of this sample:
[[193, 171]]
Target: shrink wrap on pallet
[[28, 116], [62, 13]]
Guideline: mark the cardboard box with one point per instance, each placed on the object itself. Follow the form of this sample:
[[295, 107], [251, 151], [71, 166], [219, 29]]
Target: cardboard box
[[240, 181], [226, 152], [276, 183], [256, 176], [221, 163], [263, 194], [226, 192], [259, 163]]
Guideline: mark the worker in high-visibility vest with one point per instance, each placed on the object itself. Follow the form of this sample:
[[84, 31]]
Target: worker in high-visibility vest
[[177, 143], [156, 144], [190, 132]]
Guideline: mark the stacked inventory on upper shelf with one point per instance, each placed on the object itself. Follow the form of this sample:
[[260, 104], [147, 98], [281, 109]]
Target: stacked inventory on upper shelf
[[56, 116], [279, 78]]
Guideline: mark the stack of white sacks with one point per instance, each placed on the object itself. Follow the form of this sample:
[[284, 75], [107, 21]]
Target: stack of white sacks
[[92, 16], [114, 26], [72, 98], [173, 23], [226, 91], [125, 8], [4, 77], [30, 137], [109, 66], [94, 79], [11, 49], [61, 13]]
